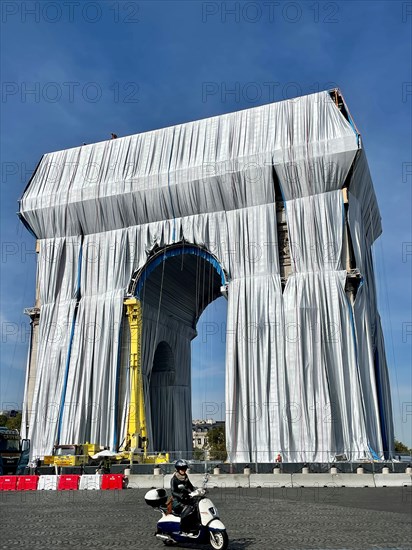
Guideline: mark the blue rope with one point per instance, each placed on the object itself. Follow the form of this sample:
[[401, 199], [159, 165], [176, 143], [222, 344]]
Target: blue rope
[[380, 404], [116, 395], [69, 350]]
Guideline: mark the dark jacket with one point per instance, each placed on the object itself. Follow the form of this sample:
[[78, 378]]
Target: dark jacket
[[181, 495]]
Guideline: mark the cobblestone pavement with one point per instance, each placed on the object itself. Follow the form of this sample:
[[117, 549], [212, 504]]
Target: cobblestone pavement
[[256, 519]]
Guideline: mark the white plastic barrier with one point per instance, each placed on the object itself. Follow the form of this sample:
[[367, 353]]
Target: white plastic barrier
[[313, 480], [270, 480], [48, 483], [90, 482], [145, 481], [223, 481], [353, 480], [393, 480]]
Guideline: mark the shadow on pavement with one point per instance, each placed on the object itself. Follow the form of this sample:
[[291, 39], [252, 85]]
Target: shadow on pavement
[[234, 544], [240, 544]]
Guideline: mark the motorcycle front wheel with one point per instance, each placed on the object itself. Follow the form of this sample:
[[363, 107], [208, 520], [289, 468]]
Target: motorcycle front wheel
[[219, 540]]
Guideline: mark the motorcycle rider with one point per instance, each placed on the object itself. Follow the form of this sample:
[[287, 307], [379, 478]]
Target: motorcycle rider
[[181, 486]]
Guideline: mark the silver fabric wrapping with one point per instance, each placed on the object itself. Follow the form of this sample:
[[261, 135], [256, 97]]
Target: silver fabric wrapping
[[212, 165], [370, 348], [58, 265], [300, 363]]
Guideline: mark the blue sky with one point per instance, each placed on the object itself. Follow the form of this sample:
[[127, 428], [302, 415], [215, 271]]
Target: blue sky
[[75, 73]]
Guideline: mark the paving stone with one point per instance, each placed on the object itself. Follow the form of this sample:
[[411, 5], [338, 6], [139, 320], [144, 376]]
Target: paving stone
[[290, 518]]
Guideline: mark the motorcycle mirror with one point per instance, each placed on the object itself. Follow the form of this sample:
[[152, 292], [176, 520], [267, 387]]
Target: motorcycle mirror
[[181, 486]]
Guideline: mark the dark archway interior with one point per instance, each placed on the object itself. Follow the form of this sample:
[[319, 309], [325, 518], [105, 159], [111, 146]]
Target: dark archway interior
[[163, 370], [182, 286], [163, 375]]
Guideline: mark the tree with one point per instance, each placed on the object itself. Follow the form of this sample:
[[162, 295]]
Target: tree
[[216, 443], [402, 448], [11, 422], [198, 453], [14, 422]]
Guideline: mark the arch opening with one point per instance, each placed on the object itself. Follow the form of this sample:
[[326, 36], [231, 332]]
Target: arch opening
[[174, 287], [209, 377]]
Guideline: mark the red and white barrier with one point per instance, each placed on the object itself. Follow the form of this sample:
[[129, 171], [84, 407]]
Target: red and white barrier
[[113, 481], [27, 483], [68, 483], [8, 483]]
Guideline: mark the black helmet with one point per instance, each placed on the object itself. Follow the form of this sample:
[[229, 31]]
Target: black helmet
[[181, 464]]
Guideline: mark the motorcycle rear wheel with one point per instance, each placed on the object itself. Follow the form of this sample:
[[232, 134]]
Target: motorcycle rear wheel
[[219, 540]]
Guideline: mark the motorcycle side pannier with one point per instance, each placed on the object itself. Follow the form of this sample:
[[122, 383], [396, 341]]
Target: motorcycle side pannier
[[156, 498]]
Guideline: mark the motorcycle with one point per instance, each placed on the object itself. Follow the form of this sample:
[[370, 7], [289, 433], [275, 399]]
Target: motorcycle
[[208, 530]]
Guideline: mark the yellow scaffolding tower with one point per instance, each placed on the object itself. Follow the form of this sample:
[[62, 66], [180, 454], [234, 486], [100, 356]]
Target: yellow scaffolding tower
[[136, 438], [136, 426]]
